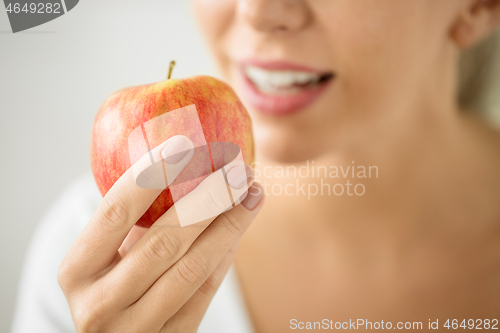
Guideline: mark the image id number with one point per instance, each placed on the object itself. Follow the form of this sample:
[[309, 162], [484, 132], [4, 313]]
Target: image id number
[[35, 8]]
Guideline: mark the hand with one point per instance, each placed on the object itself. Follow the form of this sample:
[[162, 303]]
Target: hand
[[156, 280]]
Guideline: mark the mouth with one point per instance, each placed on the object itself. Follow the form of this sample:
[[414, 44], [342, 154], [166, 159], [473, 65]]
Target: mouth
[[281, 88]]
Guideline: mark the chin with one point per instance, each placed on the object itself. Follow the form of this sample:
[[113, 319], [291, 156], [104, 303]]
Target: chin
[[285, 146]]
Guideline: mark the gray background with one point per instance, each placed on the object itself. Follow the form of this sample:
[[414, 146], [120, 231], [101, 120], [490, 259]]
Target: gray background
[[53, 79]]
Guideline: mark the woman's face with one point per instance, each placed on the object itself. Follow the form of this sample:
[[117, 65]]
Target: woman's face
[[317, 75]]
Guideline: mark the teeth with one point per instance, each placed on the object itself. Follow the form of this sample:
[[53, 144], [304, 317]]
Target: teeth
[[280, 81]]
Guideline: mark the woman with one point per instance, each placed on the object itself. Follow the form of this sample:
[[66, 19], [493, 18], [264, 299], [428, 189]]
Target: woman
[[411, 236]]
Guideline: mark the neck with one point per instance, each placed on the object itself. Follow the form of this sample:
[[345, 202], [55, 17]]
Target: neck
[[397, 171]]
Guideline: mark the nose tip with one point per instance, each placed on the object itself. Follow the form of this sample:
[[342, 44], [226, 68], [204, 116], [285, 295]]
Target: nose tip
[[275, 15]]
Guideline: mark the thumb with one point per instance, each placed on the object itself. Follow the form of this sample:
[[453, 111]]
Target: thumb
[[160, 166]]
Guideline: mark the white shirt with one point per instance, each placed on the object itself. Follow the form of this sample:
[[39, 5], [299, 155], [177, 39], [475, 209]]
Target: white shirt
[[41, 306]]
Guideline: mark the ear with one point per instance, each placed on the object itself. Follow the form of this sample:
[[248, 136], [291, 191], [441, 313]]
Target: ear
[[477, 19]]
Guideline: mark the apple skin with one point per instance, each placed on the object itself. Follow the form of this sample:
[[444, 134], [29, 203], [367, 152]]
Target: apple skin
[[223, 119]]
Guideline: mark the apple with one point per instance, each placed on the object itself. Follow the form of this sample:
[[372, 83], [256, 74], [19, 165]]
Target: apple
[[221, 114]]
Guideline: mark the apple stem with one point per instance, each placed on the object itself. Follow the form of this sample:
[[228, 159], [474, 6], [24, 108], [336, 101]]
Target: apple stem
[[170, 69]]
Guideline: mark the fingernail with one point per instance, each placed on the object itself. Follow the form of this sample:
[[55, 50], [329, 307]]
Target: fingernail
[[127, 248], [254, 197], [177, 147], [239, 176]]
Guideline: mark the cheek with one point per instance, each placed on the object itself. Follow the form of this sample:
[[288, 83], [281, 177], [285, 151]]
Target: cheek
[[215, 18], [382, 46]]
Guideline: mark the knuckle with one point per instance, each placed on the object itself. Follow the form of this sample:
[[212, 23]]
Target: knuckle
[[191, 271], [91, 318], [113, 211], [231, 224], [213, 201], [162, 244], [210, 286], [65, 278]]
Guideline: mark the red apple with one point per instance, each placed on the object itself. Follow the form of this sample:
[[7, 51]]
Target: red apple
[[222, 116]]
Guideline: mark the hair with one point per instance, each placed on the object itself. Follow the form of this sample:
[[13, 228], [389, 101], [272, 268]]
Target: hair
[[479, 88]]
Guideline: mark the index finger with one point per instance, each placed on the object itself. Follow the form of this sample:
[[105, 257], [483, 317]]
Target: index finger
[[166, 242], [98, 243]]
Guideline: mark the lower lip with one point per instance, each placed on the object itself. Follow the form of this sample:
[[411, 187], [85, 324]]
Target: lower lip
[[281, 105]]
